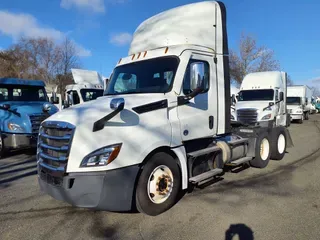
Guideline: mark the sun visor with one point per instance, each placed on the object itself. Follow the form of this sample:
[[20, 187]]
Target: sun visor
[[81, 76]]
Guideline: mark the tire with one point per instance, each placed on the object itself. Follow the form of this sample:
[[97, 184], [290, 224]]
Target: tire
[[301, 120], [278, 144], [307, 116], [262, 158], [155, 203], [1, 146]]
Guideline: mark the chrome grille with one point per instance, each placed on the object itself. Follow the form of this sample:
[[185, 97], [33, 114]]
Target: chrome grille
[[247, 116], [54, 144], [36, 120]]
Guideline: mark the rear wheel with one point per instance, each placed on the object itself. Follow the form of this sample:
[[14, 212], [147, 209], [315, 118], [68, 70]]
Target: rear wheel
[[307, 116], [262, 151], [279, 145], [159, 185]]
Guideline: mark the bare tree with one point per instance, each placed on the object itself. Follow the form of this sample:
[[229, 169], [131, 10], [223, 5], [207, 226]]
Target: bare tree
[[250, 58], [68, 59], [289, 80]]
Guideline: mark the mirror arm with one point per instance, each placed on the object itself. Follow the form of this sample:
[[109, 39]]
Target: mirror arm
[[185, 99]]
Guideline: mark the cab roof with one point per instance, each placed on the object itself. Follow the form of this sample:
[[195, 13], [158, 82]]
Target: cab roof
[[18, 81]]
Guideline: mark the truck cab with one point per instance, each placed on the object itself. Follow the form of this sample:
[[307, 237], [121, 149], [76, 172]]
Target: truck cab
[[299, 102], [262, 99], [162, 125], [23, 106], [88, 86]]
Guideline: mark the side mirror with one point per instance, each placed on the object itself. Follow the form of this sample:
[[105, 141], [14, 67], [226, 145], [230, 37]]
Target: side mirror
[[69, 99], [233, 99], [6, 106], [271, 104], [46, 107], [281, 96], [197, 75]]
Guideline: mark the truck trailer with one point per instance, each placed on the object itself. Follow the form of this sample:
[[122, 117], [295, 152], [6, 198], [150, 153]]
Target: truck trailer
[[162, 125]]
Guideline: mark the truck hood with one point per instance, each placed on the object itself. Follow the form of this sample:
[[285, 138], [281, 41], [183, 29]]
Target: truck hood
[[27, 107], [293, 107], [89, 112]]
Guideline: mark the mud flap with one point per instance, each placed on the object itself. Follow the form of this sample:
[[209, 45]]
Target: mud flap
[[289, 139]]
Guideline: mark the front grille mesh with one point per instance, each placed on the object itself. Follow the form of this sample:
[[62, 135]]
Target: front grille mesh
[[247, 116], [36, 120], [54, 144]]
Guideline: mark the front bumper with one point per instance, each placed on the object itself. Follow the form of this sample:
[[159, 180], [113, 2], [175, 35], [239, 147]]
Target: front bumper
[[108, 190], [17, 141], [297, 116]]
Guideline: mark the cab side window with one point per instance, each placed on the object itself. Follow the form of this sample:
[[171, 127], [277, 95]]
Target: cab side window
[[187, 77], [75, 96]]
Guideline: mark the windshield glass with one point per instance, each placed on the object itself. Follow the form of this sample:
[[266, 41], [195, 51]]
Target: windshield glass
[[149, 76], [90, 94], [256, 95], [293, 100], [22, 93]]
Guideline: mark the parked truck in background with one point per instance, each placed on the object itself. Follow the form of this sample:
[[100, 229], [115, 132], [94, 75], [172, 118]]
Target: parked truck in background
[[23, 106], [88, 86], [262, 100], [162, 125], [299, 102]]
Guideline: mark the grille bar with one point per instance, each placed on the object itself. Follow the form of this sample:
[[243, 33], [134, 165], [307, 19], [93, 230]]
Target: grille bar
[[54, 142], [248, 115], [36, 120]]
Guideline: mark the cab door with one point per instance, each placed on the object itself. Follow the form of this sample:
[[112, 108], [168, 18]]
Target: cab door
[[198, 116]]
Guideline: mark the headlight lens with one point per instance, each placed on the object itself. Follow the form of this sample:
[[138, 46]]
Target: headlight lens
[[15, 127], [102, 156], [266, 117], [298, 111]]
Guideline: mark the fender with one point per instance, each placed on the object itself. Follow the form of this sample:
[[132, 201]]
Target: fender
[[181, 154]]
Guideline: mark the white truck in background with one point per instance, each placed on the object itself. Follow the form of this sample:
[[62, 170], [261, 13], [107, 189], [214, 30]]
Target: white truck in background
[[299, 102], [162, 125], [89, 85], [262, 100]]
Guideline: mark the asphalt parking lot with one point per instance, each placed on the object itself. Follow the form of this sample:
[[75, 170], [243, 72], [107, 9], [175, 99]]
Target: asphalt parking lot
[[281, 201]]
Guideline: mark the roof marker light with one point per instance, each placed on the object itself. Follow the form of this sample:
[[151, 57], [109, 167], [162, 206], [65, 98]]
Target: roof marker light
[[132, 56], [167, 48], [139, 55], [120, 60], [145, 53]]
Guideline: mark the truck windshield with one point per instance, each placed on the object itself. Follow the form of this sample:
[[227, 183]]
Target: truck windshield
[[149, 76], [256, 95], [22, 93], [91, 94], [293, 100]]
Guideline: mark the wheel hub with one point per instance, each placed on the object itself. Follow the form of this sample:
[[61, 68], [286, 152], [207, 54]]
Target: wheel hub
[[160, 184]]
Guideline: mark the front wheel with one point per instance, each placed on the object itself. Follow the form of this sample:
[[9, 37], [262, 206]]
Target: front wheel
[[159, 185], [278, 144], [302, 118], [307, 116], [262, 151]]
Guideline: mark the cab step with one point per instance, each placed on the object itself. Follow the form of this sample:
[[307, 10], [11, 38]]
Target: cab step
[[238, 141], [239, 161], [205, 176], [204, 151]]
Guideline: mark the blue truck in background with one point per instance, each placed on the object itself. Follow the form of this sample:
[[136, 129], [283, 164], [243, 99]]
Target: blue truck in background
[[24, 104]]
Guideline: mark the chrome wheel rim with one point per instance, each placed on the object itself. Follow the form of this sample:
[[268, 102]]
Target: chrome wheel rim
[[264, 149]]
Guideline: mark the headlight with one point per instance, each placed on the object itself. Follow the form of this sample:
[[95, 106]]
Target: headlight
[[102, 156], [298, 111], [15, 127], [266, 117]]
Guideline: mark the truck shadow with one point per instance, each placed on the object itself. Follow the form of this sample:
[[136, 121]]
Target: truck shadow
[[241, 230]]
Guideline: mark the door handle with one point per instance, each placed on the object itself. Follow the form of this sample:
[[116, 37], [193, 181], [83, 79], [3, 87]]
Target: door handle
[[210, 122]]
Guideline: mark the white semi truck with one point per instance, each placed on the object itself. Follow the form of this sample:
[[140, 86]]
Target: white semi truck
[[162, 125], [88, 86], [262, 99], [299, 102]]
